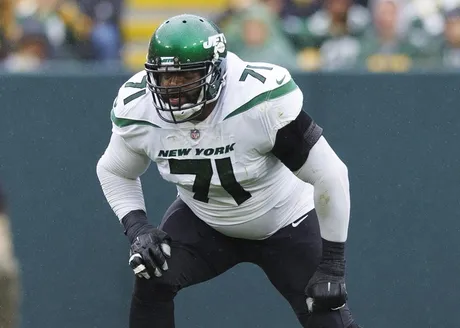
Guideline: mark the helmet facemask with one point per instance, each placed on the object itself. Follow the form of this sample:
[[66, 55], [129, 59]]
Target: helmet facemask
[[185, 102]]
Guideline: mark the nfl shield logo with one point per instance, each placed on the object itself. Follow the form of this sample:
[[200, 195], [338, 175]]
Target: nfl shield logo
[[194, 134]]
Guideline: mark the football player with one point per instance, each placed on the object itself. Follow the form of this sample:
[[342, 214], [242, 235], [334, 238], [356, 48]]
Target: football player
[[256, 179]]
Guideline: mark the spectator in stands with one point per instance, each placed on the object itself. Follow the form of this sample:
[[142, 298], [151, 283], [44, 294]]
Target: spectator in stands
[[449, 52], [254, 36], [93, 27], [8, 27], [32, 49], [60, 36], [234, 8], [9, 281], [105, 35], [299, 8], [334, 31], [423, 19], [384, 47], [292, 14], [77, 29]]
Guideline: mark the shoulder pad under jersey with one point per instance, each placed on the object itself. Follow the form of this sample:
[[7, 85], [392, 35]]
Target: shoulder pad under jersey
[[133, 105], [252, 83]]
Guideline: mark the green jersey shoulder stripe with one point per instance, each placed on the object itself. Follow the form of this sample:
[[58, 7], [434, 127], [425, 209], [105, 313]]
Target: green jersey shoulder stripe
[[122, 122], [271, 94], [134, 96]]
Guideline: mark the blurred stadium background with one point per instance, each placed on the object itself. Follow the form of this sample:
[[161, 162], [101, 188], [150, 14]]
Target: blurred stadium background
[[304, 35], [381, 76]]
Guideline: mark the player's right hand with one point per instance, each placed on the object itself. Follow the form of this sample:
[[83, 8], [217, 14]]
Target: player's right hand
[[149, 252], [326, 290]]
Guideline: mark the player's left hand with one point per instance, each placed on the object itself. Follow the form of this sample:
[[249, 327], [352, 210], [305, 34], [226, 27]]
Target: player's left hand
[[326, 290]]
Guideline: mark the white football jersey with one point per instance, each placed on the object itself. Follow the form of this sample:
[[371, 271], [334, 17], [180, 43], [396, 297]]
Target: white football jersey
[[222, 167]]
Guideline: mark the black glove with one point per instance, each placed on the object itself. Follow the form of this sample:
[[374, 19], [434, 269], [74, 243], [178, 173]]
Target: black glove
[[149, 252], [149, 246], [326, 290]]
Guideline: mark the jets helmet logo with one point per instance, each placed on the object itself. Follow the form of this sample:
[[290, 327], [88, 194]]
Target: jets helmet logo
[[217, 41]]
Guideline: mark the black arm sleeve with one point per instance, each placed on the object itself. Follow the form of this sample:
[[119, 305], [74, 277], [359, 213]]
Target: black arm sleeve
[[294, 141]]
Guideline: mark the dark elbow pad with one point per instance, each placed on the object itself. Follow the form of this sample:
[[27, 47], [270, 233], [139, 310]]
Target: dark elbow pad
[[294, 141]]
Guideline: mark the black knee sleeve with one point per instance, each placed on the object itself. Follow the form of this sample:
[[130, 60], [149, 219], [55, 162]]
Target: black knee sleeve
[[154, 289], [157, 313], [152, 304]]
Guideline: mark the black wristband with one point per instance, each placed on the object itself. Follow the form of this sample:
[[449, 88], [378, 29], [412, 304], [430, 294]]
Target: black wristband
[[135, 223], [333, 250], [334, 256]]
